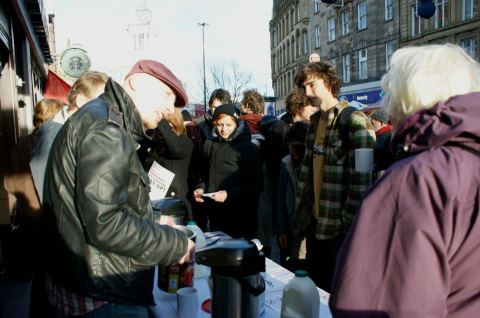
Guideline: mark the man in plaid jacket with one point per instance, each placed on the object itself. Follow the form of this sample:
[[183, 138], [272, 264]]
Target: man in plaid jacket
[[329, 188]]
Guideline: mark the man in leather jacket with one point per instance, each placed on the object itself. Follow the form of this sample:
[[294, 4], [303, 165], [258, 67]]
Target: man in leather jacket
[[102, 241]]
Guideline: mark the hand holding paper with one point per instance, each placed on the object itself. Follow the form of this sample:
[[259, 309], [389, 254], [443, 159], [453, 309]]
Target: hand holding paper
[[197, 195], [219, 196]]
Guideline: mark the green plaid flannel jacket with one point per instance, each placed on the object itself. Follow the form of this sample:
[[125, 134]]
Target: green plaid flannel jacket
[[343, 188]]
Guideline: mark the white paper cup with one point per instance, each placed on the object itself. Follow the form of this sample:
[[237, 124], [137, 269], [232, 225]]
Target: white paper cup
[[187, 302], [364, 159]]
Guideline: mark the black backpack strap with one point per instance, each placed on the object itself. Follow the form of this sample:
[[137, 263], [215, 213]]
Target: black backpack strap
[[342, 124], [343, 128]]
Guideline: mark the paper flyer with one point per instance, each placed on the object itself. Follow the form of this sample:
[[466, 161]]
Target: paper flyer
[[160, 180]]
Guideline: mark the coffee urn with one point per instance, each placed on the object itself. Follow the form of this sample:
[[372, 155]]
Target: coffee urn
[[238, 288]]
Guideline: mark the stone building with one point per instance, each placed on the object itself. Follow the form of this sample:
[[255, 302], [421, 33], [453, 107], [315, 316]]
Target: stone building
[[289, 44], [454, 21], [360, 36]]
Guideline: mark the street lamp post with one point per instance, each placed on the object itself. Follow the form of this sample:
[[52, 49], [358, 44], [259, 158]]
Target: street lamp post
[[203, 25]]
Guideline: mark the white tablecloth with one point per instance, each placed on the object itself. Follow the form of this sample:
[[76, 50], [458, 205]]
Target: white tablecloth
[[277, 278]]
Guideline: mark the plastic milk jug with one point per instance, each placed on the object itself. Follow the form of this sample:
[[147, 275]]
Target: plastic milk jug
[[200, 270], [300, 297]]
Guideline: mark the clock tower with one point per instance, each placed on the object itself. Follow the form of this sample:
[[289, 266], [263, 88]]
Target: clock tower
[[142, 32]]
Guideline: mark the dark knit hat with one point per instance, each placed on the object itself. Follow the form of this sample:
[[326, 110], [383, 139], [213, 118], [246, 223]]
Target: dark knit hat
[[162, 73], [380, 115], [227, 109], [297, 133], [186, 115]]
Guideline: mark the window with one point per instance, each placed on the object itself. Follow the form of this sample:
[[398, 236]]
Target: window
[[134, 41], [441, 13], [141, 42], [334, 62], [288, 53], [331, 29], [345, 22], [287, 24], [470, 45], [292, 18], [297, 16], [293, 49], [362, 15], [288, 82], [316, 6], [362, 64], [305, 43], [388, 9], [297, 45], [388, 54], [467, 9], [318, 38], [279, 32], [279, 62], [281, 29], [346, 68], [415, 21]]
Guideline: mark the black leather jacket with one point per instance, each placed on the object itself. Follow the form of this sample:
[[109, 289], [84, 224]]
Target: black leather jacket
[[101, 239]]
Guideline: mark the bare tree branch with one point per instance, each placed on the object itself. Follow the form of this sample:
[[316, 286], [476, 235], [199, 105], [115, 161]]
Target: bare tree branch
[[226, 75]]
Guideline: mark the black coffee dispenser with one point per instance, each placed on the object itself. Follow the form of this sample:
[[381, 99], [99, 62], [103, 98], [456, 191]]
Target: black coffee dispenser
[[238, 288]]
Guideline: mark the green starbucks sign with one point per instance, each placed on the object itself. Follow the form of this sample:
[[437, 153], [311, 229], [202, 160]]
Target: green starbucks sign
[[74, 62]]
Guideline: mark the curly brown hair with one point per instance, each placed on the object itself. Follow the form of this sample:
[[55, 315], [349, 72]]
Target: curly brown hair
[[320, 70], [253, 101], [296, 101]]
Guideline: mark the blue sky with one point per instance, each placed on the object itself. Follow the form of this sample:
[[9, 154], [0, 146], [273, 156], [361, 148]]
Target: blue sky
[[237, 30]]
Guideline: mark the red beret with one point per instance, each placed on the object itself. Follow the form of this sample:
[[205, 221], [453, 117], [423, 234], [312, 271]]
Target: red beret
[[162, 73]]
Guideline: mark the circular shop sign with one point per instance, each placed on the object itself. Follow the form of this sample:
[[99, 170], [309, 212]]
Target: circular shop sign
[[75, 62]]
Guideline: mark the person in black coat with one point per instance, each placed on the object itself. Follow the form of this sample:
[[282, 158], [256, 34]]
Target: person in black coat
[[172, 149], [383, 131], [234, 176]]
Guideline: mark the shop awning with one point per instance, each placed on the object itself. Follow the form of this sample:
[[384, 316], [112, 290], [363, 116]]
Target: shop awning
[[56, 87]]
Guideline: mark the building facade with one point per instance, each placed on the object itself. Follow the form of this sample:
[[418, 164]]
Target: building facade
[[360, 36], [24, 58], [289, 45], [454, 21]]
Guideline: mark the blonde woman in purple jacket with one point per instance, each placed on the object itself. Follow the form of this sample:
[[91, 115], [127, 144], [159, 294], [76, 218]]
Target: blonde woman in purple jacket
[[413, 250]]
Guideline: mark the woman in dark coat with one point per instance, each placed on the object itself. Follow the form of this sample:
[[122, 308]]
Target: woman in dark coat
[[172, 149], [233, 177]]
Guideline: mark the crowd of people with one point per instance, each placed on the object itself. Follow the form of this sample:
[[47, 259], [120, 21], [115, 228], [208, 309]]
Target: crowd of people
[[397, 240]]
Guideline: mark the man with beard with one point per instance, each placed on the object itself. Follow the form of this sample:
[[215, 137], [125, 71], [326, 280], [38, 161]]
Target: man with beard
[[329, 187]]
